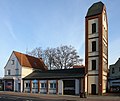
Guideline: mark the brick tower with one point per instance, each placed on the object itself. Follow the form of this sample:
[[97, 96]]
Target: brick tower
[[96, 49]]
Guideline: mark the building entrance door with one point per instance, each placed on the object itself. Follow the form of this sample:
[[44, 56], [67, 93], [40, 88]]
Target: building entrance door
[[93, 89], [19, 88]]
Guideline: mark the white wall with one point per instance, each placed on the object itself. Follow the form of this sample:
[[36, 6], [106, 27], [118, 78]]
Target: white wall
[[51, 91], [60, 87], [22, 71], [77, 86], [15, 71], [13, 67], [26, 71], [90, 22], [43, 90], [90, 63], [86, 83], [90, 46], [104, 20], [26, 89], [92, 80]]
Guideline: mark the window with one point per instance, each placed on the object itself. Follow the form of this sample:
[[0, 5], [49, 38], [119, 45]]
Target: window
[[12, 62], [52, 85], [17, 71], [16, 64], [8, 72], [9, 83], [43, 85], [35, 85], [113, 70], [27, 85], [116, 82], [119, 69], [94, 28], [93, 46], [93, 64]]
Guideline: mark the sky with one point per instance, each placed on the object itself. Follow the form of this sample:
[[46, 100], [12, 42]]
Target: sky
[[27, 24]]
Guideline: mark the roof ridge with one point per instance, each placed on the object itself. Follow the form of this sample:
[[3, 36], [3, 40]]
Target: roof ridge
[[29, 61], [27, 55]]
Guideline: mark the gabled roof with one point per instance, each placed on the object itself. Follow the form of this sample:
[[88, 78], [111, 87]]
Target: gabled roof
[[95, 9], [117, 63], [30, 61], [56, 74]]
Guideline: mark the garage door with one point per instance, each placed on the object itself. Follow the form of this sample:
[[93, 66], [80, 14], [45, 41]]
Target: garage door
[[69, 87]]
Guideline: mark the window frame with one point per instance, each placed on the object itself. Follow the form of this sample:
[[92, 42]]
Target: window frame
[[43, 85], [113, 70], [34, 85], [93, 28], [52, 85], [8, 72], [93, 46], [27, 85], [12, 62], [93, 64]]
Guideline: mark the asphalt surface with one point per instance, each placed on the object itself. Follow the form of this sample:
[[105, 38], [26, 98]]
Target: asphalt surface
[[16, 96], [5, 97]]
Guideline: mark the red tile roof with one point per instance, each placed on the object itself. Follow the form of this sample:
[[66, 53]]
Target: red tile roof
[[78, 66], [30, 61]]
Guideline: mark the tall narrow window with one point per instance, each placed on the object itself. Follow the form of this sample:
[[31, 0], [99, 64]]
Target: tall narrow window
[[94, 28], [93, 64], [113, 70], [27, 85], [93, 46], [8, 72], [119, 69], [35, 85]]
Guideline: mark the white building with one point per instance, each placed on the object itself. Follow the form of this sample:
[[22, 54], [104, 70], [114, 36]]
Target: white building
[[65, 81], [91, 79], [18, 66], [114, 77], [96, 49], [94, 78]]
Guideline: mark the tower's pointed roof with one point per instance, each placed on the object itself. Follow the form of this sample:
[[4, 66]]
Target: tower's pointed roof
[[95, 9]]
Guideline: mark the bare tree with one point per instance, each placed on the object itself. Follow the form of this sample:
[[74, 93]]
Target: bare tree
[[62, 57], [65, 57], [49, 57], [37, 52]]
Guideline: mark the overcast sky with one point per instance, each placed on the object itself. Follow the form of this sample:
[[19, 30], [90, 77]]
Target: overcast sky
[[26, 24]]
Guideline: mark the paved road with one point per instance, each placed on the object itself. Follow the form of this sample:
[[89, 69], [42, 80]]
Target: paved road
[[5, 97], [14, 96]]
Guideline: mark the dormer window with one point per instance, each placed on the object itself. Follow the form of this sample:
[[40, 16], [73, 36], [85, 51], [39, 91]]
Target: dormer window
[[12, 62]]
